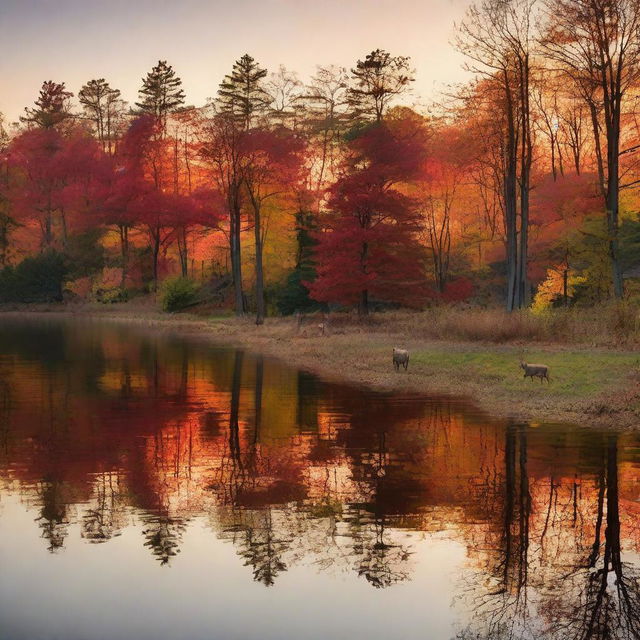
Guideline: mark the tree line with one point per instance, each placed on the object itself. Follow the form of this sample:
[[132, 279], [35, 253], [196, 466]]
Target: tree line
[[519, 187]]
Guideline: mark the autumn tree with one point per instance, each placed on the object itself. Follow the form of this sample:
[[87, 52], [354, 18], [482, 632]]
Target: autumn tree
[[272, 166], [7, 222], [241, 97], [597, 45], [497, 38], [560, 208], [222, 152], [38, 181], [368, 248], [125, 185], [140, 200], [52, 107], [438, 194], [182, 135], [573, 123], [486, 168], [547, 105], [149, 206]]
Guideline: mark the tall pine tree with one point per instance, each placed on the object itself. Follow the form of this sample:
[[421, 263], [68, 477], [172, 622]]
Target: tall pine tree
[[51, 107], [161, 92], [241, 94]]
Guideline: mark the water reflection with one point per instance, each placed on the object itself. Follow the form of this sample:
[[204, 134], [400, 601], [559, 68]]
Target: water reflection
[[105, 431]]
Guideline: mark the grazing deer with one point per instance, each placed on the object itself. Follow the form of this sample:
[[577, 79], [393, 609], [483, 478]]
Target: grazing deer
[[536, 371], [400, 357]]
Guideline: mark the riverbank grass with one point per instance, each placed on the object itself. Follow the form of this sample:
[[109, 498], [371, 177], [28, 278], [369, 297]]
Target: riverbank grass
[[574, 374]]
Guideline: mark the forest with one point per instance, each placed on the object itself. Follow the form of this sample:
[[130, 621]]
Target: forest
[[516, 190]]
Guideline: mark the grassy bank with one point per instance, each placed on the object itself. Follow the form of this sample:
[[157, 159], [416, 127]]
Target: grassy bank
[[595, 373]]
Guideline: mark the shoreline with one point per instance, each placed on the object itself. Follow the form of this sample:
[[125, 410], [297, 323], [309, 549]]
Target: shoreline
[[597, 387]]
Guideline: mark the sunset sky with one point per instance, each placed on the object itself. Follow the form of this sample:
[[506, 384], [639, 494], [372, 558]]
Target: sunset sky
[[73, 41]]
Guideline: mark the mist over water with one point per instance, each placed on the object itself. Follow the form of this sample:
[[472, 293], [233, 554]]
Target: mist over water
[[158, 487]]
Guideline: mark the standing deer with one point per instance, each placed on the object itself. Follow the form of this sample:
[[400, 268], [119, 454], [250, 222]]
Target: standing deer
[[536, 371], [400, 357]]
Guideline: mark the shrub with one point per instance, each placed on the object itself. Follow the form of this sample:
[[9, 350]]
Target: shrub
[[107, 287], [294, 296], [177, 293], [36, 279]]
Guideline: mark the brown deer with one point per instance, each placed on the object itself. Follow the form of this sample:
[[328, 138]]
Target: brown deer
[[536, 371]]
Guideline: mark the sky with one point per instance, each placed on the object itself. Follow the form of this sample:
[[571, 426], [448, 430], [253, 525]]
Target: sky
[[73, 41]]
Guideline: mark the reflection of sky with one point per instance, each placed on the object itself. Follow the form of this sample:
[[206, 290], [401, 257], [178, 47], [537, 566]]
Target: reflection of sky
[[120, 40], [116, 591]]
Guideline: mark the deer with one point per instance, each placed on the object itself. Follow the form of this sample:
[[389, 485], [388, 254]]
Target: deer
[[400, 357], [536, 371]]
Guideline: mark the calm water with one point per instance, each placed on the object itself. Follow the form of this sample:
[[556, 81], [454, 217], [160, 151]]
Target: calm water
[[157, 488]]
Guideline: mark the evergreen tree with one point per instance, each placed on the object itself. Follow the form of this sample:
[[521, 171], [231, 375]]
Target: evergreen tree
[[295, 295], [161, 92], [241, 94], [375, 82], [51, 107]]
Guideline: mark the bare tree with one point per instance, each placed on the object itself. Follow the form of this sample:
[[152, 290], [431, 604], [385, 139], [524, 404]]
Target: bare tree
[[497, 38], [596, 43], [285, 90], [325, 118], [104, 107]]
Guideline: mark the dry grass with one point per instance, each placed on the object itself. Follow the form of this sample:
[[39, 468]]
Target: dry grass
[[610, 325]]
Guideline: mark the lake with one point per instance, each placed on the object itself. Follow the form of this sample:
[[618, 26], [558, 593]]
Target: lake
[[153, 487]]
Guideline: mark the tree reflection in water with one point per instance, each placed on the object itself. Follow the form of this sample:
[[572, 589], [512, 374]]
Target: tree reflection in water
[[102, 430]]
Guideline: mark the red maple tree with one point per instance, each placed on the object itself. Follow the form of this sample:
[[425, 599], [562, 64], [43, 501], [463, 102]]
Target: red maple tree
[[368, 248]]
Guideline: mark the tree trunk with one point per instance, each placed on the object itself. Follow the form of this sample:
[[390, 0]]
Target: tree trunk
[[260, 306], [510, 202], [183, 251], [612, 202], [363, 306], [124, 252], [525, 171], [156, 255], [236, 258]]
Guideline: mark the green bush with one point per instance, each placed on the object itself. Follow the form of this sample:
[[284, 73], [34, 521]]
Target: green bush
[[36, 279], [177, 293], [294, 296], [111, 296]]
